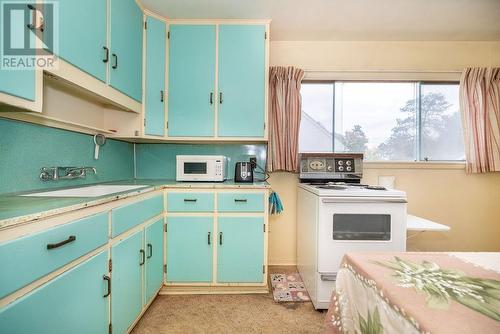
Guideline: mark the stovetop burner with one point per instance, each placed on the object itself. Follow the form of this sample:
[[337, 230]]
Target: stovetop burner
[[343, 185]]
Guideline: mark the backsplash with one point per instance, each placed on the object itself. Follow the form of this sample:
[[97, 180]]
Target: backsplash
[[25, 148], [157, 161]]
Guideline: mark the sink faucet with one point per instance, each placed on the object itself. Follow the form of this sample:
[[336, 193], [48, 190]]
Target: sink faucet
[[53, 173]]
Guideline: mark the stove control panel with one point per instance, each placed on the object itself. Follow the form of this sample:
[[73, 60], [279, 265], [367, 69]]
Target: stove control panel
[[329, 166], [343, 165]]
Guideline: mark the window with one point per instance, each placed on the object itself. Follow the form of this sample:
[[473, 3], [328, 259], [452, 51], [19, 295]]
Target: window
[[403, 121]]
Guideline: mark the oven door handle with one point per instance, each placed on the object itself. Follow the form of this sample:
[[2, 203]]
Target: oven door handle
[[328, 276], [363, 200]]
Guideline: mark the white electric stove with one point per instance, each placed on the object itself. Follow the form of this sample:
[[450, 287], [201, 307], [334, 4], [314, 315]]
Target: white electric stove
[[336, 218]]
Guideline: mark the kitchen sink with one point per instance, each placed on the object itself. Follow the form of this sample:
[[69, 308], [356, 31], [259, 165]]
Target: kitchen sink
[[89, 191]]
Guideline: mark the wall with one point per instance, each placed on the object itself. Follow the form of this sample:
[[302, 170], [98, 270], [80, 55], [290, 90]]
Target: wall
[[25, 148], [469, 204], [157, 161]]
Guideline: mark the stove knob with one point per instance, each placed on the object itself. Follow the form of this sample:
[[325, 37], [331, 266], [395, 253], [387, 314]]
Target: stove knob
[[348, 168], [341, 169], [340, 162], [329, 168], [348, 163]]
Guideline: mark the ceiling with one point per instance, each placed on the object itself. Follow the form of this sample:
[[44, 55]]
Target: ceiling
[[356, 20]]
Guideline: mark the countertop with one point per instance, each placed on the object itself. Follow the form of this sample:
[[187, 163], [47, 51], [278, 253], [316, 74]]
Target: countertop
[[16, 209]]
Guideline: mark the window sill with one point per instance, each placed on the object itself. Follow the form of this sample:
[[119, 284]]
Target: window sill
[[414, 165]]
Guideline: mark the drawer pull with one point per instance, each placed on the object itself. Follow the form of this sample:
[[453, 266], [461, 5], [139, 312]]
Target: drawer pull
[[64, 242], [190, 199], [239, 200], [150, 251], [108, 280], [143, 257], [209, 237], [220, 238]]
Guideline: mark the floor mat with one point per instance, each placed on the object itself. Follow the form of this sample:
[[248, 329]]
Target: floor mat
[[289, 288]]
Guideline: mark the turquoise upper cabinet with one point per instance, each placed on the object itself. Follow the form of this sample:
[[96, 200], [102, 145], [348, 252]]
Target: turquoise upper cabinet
[[191, 81], [242, 80], [240, 249], [155, 77], [77, 301], [189, 249], [18, 83], [154, 259], [128, 258], [126, 47], [82, 35]]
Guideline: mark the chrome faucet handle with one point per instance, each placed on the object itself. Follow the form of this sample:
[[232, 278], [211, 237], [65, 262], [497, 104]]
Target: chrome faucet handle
[[49, 173]]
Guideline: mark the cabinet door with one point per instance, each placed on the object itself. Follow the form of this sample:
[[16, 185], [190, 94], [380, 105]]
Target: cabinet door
[[191, 81], [126, 47], [241, 80], [189, 249], [82, 35], [155, 77], [240, 249], [73, 302], [126, 301], [154, 259], [18, 83]]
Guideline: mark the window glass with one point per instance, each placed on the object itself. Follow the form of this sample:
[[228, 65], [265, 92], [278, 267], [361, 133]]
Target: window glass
[[441, 129], [377, 119], [316, 126]]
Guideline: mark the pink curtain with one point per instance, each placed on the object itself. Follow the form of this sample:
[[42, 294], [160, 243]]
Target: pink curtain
[[480, 108], [284, 118]]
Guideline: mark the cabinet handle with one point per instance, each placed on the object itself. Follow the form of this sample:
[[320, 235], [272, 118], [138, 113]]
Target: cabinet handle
[[220, 98], [161, 96], [190, 199], [209, 238], [106, 54], [64, 242], [220, 238], [108, 280], [143, 257], [238, 200], [115, 64], [150, 251], [211, 98]]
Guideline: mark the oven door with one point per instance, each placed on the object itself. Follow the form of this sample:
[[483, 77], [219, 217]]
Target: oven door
[[358, 224]]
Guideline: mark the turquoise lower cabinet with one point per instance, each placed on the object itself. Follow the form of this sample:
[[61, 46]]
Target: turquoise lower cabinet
[[242, 79], [26, 259], [189, 249], [192, 95], [240, 249], [77, 302], [155, 77], [126, 303], [125, 217], [126, 26], [153, 242], [190, 202], [83, 44], [240, 202]]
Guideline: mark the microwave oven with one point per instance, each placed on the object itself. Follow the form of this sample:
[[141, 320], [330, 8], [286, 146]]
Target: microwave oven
[[211, 168]]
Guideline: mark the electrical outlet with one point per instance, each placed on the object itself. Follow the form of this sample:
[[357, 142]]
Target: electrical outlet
[[253, 162]]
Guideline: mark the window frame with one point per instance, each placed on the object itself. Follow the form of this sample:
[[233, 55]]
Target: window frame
[[418, 120]]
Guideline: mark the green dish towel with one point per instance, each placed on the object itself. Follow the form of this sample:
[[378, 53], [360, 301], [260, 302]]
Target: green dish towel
[[275, 205]]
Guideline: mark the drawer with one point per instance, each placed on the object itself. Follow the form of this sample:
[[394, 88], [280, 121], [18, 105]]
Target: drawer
[[190, 202], [130, 215], [31, 257], [240, 202]]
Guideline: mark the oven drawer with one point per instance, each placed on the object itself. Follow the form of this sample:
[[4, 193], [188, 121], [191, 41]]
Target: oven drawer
[[240, 202], [190, 202], [29, 258]]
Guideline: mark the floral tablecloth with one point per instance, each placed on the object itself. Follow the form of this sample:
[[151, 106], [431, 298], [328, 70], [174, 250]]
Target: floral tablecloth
[[416, 293]]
